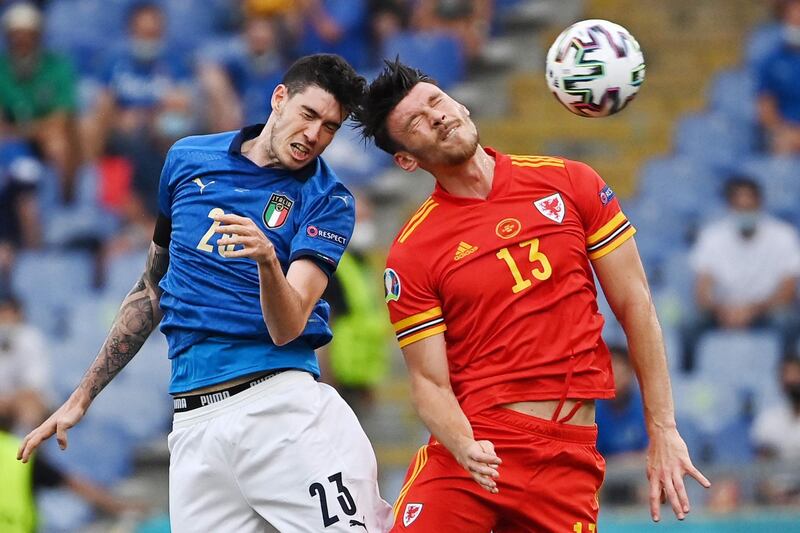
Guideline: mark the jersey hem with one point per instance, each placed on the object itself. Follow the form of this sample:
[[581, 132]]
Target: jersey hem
[[233, 375]]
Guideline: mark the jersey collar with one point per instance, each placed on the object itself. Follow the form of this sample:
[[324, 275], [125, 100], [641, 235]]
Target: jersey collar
[[500, 181], [251, 132]]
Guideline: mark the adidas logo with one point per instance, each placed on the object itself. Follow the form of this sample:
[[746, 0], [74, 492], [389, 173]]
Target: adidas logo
[[464, 250]]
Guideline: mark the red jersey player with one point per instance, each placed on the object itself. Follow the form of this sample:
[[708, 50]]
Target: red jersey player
[[491, 293]]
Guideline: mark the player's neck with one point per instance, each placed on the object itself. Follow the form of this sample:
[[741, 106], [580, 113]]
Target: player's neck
[[471, 179], [258, 150]]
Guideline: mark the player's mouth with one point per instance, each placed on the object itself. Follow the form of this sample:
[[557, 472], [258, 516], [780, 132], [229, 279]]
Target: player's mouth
[[300, 152], [449, 132]]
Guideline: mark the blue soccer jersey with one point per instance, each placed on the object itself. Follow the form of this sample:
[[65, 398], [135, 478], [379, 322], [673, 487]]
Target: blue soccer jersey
[[212, 311]]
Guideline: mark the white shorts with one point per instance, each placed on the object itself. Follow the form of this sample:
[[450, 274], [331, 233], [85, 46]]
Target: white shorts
[[287, 455]]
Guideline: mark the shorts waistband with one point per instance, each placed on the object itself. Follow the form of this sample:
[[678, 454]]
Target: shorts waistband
[[543, 427], [183, 404]]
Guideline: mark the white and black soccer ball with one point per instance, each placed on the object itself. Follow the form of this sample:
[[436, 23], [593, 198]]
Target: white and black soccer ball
[[595, 67]]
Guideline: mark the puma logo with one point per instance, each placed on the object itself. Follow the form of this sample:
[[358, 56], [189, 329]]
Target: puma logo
[[201, 184], [354, 523]]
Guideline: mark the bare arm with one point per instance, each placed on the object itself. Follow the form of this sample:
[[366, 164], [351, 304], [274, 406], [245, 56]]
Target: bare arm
[[625, 285], [437, 406], [286, 301], [137, 317]]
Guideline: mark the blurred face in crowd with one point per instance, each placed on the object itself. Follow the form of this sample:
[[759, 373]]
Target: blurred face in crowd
[[260, 36], [147, 31], [745, 207], [23, 42], [302, 125], [623, 374], [790, 379], [791, 22], [434, 129]]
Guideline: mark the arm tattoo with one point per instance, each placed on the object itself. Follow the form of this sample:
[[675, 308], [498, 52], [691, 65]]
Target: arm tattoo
[[137, 317]]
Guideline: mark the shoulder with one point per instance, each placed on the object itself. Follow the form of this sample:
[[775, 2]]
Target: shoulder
[[419, 223], [215, 142], [780, 228], [325, 182]]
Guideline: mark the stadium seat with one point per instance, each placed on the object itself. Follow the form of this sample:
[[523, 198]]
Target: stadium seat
[[122, 273], [356, 164], [47, 283], [742, 365], [780, 179], [733, 93], [438, 54], [714, 138]]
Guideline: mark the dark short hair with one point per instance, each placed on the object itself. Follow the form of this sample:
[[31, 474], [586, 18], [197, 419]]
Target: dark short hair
[[329, 72], [140, 6], [382, 96], [742, 182]]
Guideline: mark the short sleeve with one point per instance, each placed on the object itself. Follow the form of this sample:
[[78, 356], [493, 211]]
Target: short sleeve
[[325, 230], [165, 185], [605, 225], [414, 306]]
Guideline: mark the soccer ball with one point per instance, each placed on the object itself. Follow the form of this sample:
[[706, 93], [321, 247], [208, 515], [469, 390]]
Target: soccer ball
[[594, 68]]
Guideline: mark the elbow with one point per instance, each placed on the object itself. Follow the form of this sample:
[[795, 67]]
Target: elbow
[[282, 338]]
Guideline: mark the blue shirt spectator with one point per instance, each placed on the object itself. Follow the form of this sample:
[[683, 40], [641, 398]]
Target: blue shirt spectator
[[239, 75], [777, 78], [338, 27], [143, 73], [620, 422]]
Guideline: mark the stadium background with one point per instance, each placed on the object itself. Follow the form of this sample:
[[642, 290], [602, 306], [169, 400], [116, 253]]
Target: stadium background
[[666, 155]]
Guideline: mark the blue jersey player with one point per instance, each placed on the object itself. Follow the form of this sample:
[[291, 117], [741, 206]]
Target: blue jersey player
[[252, 225]]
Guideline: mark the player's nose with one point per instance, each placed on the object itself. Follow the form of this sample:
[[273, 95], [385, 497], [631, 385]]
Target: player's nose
[[311, 133]]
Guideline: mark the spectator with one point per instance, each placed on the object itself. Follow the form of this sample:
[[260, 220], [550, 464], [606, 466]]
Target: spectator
[[746, 268], [621, 431], [469, 20], [238, 82], [387, 19], [777, 77], [144, 107], [776, 435], [357, 358], [620, 422], [24, 368], [337, 27], [37, 94]]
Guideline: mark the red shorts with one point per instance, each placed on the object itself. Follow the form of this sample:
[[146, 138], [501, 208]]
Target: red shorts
[[548, 482]]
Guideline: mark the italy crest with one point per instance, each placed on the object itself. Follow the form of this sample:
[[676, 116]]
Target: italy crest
[[277, 210]]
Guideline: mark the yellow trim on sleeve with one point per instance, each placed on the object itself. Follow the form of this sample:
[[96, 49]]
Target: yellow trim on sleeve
[[624, 236], [419, 464], [416, 319], [607, 228], [424, 334]]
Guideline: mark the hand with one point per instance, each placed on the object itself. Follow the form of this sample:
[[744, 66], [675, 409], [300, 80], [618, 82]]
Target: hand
[[242, 231], [69, 414], [478, 458], [737, 317], [667, 463]]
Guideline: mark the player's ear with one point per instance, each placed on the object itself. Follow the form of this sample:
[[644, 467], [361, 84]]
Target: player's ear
[[406, 161], [279, 96]]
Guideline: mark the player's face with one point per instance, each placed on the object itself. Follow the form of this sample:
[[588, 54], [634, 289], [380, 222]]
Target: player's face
[[304, 124], [433, 128]]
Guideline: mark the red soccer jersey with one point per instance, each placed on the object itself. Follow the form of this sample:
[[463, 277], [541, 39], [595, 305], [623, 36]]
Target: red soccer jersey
[[508, 282]]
